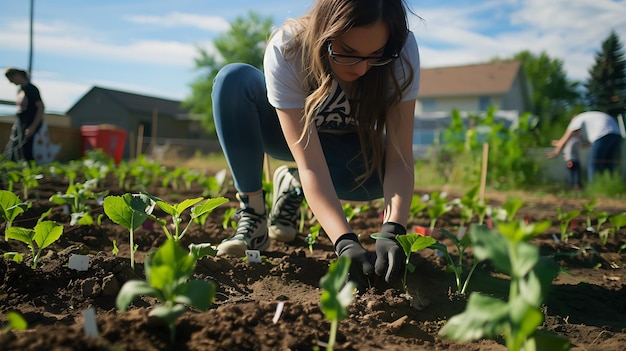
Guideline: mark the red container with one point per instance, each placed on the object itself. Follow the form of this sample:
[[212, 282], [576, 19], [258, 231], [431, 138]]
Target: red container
[[107, 137]]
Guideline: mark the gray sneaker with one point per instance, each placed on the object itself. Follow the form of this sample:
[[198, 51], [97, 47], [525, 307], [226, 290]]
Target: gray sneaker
[[288, 197], [251, 233]]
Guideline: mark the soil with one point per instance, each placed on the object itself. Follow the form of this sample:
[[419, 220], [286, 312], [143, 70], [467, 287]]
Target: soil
[[586, 304]]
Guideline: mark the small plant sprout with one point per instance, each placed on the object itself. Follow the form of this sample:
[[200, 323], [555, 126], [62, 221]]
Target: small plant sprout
[[352, 211], [618, 221], [215, 186], [588, 211], [411, 243], [337, 295], [457, 266], [77, 197], [437, 207], [167, 279], [37, 239], [601, 218], [228, 221], [176, 211], [510, 207], [10, 207], [418, 205], [531, 275], [314, 233], [565, 218], [15, 322], [30, 179], [467, 206], [130, 211]]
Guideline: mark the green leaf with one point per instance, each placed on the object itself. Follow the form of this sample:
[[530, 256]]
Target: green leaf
[[131, 290], [200, 250], [21, 234], [333, 300], [16, 321], [168, 266], [543, 340], [197, 293], [413, 242], [14, 256], [484, 316], [120, 210], [208, 206], [47, 232], [489, 244], [168, 313]]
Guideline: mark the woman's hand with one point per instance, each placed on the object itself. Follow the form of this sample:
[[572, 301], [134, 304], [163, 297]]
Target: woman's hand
[[348, 245], [390, 258]]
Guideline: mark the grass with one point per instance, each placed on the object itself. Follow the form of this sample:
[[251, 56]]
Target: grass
[[429, 178]]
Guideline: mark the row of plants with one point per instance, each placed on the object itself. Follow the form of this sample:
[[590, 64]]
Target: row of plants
[[494, 234]]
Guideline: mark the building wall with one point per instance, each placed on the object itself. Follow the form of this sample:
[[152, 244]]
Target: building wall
[[97, 109]]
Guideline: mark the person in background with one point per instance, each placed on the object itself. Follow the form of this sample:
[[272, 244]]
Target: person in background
[[337, 96], [30, 110], [602, 132]]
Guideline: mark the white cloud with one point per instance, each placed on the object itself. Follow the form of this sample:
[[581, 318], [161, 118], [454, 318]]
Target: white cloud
[[178, 19], [571, 31]]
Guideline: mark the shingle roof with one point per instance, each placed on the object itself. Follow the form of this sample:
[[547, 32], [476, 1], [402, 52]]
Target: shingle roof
[[479, 79], [141, 103]]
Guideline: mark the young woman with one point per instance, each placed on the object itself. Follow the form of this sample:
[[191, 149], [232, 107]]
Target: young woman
[[338, 98], [30, 110]]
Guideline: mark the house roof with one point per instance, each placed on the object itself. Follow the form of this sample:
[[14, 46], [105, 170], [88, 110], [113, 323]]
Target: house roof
[[479, 79], [139, 103]]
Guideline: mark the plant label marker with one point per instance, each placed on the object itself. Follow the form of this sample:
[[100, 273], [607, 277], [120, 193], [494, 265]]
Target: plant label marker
[[79, 262], [253, 256], [279, 311], [90, 327]]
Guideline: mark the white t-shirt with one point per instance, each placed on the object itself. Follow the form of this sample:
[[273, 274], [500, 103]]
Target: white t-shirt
[[594, 125], [286, 87]]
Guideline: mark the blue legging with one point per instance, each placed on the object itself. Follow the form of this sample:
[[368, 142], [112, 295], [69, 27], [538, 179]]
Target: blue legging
[[604, 155], [247, 128]]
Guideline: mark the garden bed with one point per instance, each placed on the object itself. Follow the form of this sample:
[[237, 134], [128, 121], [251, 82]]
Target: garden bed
[[586, 303]]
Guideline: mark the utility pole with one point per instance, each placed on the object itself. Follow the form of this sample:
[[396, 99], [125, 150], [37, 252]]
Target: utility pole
[[30, 55]]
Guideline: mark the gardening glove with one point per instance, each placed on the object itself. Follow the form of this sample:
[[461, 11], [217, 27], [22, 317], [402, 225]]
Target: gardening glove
[[390, 257], [360, 268]]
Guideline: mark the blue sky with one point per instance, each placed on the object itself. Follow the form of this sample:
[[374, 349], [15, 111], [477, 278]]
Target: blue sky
[[148, 46]]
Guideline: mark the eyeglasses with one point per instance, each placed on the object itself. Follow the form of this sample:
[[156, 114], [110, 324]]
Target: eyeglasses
[[349, 60]]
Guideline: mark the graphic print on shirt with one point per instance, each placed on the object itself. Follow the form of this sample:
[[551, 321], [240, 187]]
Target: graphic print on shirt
[[336, 113]]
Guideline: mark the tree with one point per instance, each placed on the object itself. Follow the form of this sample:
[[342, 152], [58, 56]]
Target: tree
[[553, 96], [606, 87], [245, 43]]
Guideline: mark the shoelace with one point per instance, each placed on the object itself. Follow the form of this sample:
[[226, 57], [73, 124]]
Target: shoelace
[[288, 205], [249, 221]]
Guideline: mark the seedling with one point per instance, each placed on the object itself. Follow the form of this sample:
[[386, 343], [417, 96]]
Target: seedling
[[311, 238], [37, 239], [410, 243], [618, 221], [518, 317], [30, 179], [418, 205], [215, 186], [564, 222], [16, 322], [10, 208], [228, 221], [77, 197], [437, 207], [176, 211], [351, 211], [167, 279], [467, 206], [588, 211], [130, 211], [337, 295], [457, 266]]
